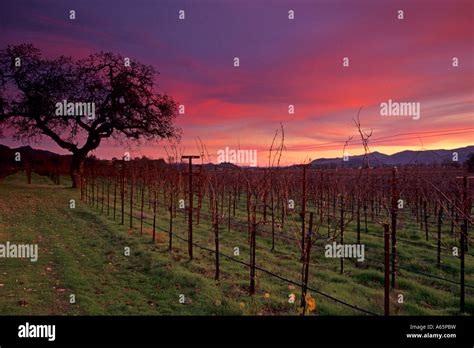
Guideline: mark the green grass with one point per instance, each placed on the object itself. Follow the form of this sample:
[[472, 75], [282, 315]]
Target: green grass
[[81, 252]]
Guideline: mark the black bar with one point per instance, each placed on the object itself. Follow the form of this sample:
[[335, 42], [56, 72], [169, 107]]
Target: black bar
[[271, 330]]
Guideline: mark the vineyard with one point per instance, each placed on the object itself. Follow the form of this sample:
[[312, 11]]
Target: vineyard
[[295, 172], [267, 231]]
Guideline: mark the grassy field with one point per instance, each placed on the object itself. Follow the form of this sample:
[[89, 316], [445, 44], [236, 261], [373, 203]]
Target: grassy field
[[81, 252]]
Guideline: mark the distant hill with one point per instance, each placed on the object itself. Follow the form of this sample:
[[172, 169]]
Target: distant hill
[[220, 166], [377, 159], [40, 158], [7, 154], [42, 162], [28, 150]]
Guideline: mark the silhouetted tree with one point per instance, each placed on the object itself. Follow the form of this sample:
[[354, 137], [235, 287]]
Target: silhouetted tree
[[127, 108]]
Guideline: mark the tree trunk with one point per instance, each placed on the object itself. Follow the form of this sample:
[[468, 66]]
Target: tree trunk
[[76, 169]]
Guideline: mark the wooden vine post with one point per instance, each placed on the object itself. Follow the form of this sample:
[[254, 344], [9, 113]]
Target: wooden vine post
[[190, 203], [102, 196], [342, 230], [253, 232], [154, 213], [273, 222], [358, 216], [141, 206], [122, 191], [394, 211], [108, 195], [306, 261], [387, 270], [303, 212], [170, 246], [466, 202], [131, 199], [228, 221], [216, 238], [440, 222], [115, 194]]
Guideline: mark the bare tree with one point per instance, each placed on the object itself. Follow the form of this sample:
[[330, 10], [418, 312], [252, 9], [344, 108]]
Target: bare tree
[[127, 107]]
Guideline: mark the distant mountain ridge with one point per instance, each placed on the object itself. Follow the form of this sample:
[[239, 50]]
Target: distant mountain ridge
[[376, 159]]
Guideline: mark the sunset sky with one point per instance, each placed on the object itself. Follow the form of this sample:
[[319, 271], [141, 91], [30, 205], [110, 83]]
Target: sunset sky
[[282, 62]]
